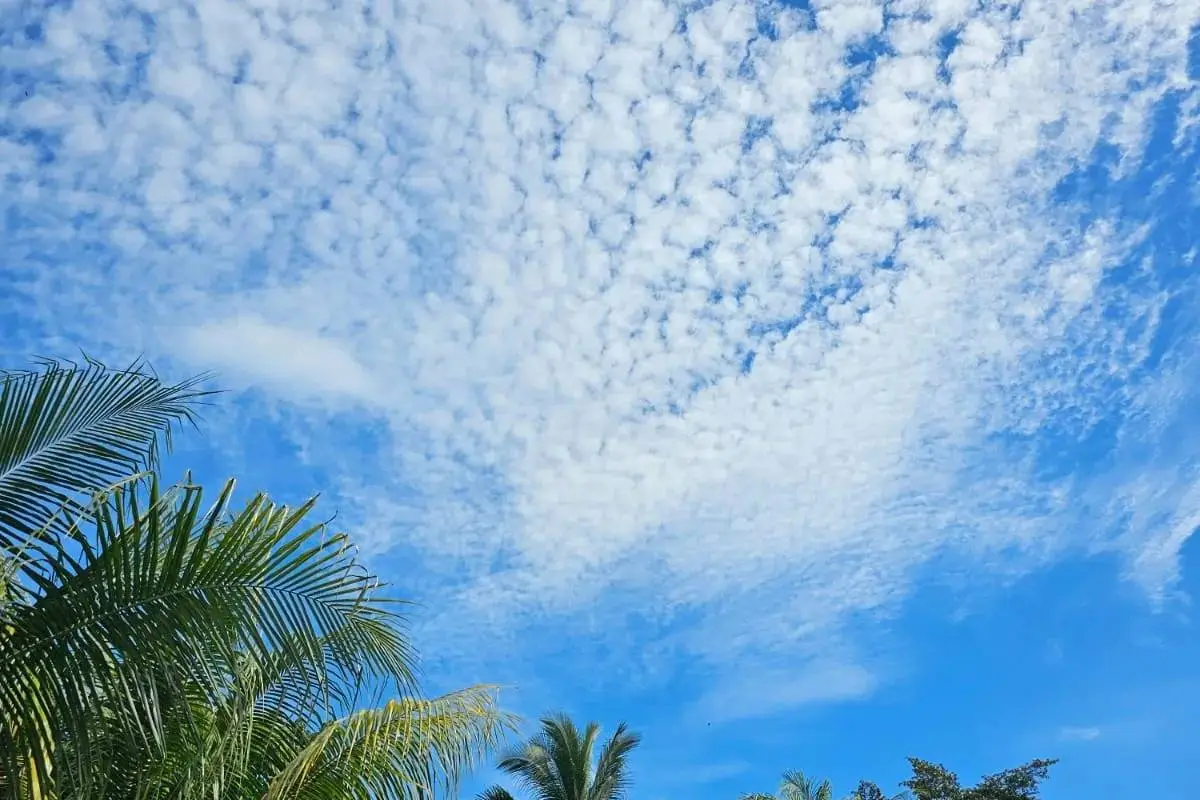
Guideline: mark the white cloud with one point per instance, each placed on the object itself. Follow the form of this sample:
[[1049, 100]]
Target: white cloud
[[628, 354], [764, 692], [292, 360], [1077, 734]]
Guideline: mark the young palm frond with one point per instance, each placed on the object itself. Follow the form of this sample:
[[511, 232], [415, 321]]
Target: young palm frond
[[798, 787], [408, 748], [249, 748], [269, 714]]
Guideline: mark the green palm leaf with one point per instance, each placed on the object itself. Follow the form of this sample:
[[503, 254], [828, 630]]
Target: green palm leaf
[[557, 763], [797, 786], [66, 431], [495, 793], [162, 587], [406, 749], [155, 648], [611, 779]]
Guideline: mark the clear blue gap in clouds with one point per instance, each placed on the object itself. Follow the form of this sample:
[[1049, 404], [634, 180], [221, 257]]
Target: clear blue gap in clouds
[[975, 665]]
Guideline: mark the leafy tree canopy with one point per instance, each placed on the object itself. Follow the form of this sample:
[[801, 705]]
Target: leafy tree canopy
[[932, 781]]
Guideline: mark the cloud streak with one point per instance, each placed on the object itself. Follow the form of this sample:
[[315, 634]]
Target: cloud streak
[[734, 314], [1077, 734]]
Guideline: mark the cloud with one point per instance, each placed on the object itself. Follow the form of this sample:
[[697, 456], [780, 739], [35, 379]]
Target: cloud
[[295, 361], [1075, 734], [762, 692], [729, 317]]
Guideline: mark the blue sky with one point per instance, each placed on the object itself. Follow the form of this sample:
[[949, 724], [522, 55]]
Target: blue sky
[[808, 385]]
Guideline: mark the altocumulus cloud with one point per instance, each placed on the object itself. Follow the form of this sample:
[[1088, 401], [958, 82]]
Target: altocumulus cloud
[[728, 315]]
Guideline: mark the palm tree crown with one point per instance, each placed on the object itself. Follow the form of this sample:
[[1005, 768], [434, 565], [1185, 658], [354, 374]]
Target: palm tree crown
[[796, 786], [557, 764]]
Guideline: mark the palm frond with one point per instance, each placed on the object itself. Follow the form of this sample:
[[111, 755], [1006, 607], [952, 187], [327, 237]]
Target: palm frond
[[235, 755], [796, 786], [267, 716], [557, 763], [570, 753], [159, 583], [611, 780], [495, 793], [406, 749], [9, 589], [67, 430], [534, 768]]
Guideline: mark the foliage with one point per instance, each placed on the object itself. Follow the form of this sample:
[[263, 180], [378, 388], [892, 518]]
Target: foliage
[[557, 764], [929, 781], [66, 431], [156, 646], [934, 782], [796, 786], [866, 790]]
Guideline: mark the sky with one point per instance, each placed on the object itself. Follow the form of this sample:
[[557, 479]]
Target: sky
[[808, 384]]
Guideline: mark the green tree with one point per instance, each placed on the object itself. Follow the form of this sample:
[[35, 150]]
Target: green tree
[[932, 781], [557, 764], [796, 786], [866, 790], [153, 646]]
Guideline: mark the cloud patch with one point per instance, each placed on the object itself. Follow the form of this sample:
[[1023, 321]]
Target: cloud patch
[[1079, 734], [764, 692], [290, 361]]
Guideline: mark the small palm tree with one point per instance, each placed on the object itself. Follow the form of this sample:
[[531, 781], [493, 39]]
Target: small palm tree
[[557, 764], [796, 786]]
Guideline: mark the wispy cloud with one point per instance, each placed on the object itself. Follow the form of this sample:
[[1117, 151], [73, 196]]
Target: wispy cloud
[[1076, 734], [730, 313], [760, 692], [292, 360]]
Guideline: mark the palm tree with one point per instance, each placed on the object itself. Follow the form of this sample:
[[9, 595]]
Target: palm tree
[[152, 646], [557, 764], [796, 786]]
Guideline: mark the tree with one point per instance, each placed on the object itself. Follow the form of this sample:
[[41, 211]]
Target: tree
[[796, 786], [934, 782], [64, 433], [866, 790], [1019, 783], [557, 764], [155, 646]]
